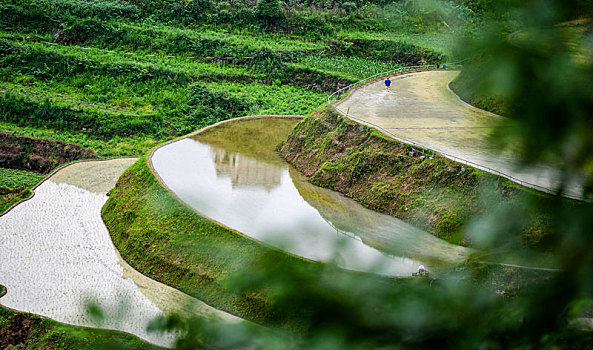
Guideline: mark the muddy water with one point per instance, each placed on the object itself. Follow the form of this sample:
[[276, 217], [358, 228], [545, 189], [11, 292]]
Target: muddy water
[[233, 175], [420, 108]]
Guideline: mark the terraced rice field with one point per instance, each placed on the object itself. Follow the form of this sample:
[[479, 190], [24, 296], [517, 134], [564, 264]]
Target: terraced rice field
[[57, 256], [420, 108]]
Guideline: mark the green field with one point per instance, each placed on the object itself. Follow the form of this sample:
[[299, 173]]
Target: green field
[[13, 178], [121, 77]]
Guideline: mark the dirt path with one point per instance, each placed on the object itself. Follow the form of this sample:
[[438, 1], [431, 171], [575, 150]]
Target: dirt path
[[57, 255], [420, 108]]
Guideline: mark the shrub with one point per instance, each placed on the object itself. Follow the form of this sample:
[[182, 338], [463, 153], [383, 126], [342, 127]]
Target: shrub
[[268, 12], [204, 107], [314, 27]]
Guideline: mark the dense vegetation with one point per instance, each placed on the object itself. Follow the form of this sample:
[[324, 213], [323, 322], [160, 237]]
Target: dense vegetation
[[118, 77], [12, 178]]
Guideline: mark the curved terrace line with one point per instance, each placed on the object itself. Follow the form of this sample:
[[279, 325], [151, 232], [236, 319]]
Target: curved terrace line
[[363, 104], [206, 184], [57, 255]]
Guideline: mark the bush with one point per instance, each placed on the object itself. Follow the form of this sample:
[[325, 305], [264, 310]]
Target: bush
[[268, 12], [205, 107], [314, 27]]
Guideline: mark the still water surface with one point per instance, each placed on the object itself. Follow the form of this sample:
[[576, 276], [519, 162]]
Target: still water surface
[[233, 175]]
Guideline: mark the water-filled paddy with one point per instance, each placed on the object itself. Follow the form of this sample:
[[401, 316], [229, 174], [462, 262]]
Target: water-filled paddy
[[57, 256], [233, 175], [420, 108]]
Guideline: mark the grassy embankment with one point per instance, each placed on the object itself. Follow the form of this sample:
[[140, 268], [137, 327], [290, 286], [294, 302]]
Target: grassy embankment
[[436, 194], [20, 330], [169, 242]]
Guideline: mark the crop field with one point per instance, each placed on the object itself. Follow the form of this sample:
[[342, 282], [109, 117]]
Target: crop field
[[119, 78], [13, 178], [356, 66]]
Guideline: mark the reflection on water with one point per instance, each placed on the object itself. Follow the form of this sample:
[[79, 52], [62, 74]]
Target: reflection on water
[[245, 171], [380, 231], [233, 175]]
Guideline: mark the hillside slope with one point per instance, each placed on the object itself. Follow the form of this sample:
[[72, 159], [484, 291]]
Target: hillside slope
[[433, 193]]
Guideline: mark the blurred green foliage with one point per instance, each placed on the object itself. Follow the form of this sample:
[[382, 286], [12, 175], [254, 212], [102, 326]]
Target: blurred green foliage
[[543, 73], [476, 306]]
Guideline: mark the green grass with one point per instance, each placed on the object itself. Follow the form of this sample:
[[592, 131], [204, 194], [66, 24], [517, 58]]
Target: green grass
[[47, 334], [15, 185], [252, 40], [354, 66], [114, 147], [274, 99], [169, 242], [13, 178], [434, 194], [11, 197]]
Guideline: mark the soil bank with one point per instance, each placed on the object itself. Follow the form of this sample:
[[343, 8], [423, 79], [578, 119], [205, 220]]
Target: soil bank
[[38, 155]]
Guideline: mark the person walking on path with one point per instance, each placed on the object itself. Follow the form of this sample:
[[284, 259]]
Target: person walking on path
[[387, 84]]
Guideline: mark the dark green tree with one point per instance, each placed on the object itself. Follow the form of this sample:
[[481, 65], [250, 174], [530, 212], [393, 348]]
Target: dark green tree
[[269, 13]]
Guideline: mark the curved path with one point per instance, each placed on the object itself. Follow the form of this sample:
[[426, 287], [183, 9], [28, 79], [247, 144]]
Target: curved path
[[57, 256], [421, 108]]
